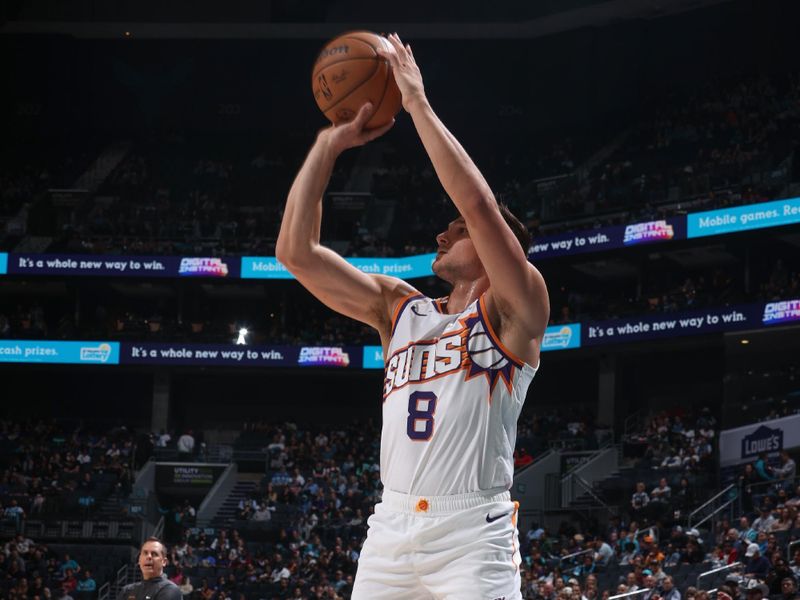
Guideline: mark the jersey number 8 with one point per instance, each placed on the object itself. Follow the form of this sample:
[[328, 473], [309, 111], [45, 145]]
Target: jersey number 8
[[421, 406]]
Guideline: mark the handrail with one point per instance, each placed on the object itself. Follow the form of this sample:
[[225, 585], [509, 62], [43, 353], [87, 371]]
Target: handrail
[[561, 559], [709, 501], [104, 592], [159, 528], [598, 454], [586, 486], [759, 484], [729, 567], [626, 594], [712, 514]]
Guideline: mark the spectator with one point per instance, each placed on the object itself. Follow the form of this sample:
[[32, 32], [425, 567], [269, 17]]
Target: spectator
[[65, 595], [661, 493], [756, 591], [603, 553], [68, 564], [186, 587], [788, 589], [87, 583], [639, 499], [762, 468], [756, 566], [186, 445], [765, 521], [787, 470], [668, 589], [14, 514]]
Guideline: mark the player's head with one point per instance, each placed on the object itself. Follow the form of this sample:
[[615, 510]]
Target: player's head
[[152, 558], [456, 257]]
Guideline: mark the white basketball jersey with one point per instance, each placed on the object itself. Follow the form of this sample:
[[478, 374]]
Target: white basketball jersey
[[451, 398]]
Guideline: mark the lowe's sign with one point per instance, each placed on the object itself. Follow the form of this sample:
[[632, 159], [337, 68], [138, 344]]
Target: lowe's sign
[[744, 444], [763, 439]]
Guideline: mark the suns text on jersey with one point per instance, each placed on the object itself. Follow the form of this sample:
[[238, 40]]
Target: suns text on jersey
[[425, 360]]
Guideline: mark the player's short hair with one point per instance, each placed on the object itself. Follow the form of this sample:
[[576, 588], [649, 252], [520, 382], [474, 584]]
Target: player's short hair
[[517, 227], [153, 538]]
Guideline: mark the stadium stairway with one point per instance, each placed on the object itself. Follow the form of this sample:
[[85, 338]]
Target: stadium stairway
[[610, 493], [246, 485]]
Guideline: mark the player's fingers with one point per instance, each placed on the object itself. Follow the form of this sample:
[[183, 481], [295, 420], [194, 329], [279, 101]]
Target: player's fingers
[[388, 52], [398, 45], [362, 116]]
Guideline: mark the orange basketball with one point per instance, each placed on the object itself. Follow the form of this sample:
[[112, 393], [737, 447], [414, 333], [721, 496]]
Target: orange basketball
[[348, 73]]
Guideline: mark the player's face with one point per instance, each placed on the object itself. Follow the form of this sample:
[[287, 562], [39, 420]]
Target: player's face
[[152, 560], [456, 257]]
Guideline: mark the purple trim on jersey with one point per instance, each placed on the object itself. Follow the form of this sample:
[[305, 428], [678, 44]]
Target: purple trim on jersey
[[400, 310], [487, 327]]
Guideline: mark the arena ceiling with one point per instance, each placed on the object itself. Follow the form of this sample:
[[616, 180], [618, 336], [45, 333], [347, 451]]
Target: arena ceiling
[[256, 19]]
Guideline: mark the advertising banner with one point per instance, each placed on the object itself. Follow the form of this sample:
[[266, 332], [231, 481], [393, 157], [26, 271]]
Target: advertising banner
[[743, 218], [96, 265], [557, 337], [744, 444], [608, 238], [189, 480], [148, 353], [666, 325], [562, 337], [44, 351], [781, 313], [3, 263], [373, 357], [408, 267]]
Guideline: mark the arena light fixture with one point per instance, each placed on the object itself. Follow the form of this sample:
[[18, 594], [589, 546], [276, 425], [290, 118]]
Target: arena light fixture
[[242, 339]]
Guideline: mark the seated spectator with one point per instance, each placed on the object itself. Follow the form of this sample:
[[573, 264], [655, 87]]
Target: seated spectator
[[603, 553], [765, 521], [639, 499], [186, 587], [785, 521], [788, 589], [756, 565], [86, 583], [668, 589], [68, 564], [788, 468], [662, 492], [762, 468]]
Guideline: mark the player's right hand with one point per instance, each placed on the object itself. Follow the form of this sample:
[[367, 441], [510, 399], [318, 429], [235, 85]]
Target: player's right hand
[[353, 133]]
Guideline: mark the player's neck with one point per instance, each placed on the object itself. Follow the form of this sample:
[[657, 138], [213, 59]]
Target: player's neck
[[465, 293]]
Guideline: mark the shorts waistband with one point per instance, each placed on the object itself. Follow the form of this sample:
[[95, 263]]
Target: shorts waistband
[[440, 505]]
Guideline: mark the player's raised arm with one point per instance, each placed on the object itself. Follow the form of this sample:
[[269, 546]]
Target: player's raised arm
[[335, 282], [517, 289]]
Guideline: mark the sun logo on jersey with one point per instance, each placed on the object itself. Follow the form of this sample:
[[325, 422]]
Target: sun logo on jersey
[[467, 347], [485, 358]]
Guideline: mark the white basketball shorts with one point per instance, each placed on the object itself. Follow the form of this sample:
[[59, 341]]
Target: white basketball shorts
[[461, 547]]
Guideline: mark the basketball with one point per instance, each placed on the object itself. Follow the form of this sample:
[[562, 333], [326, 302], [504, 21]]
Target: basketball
[[348, 73]]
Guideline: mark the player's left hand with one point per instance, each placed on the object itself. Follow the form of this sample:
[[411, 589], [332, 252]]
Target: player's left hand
[[406, 72]]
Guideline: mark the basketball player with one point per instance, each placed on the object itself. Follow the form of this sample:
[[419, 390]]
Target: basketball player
[[457, 369]]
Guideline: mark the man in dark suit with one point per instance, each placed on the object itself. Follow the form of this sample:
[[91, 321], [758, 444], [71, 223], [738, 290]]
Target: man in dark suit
[[154, 584]]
